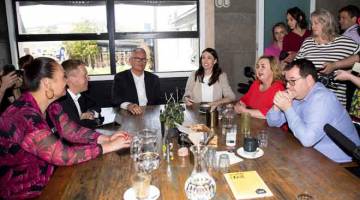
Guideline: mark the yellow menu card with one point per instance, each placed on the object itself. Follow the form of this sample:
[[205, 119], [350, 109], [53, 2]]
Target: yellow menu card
[[247, 185]]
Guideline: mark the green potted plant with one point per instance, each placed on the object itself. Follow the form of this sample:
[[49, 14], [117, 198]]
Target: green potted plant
[[173, 112]]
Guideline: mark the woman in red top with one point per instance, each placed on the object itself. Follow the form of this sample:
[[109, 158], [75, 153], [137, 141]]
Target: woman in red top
[[36, 135], [298, 24], [259, 99]]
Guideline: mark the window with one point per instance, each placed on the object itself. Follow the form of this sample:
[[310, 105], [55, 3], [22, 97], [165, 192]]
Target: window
[[103, 33]]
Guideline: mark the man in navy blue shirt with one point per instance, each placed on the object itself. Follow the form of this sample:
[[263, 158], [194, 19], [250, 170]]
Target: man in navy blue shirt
[[307, 106]]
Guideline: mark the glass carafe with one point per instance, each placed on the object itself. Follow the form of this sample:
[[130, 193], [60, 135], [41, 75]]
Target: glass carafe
[[200, 185]]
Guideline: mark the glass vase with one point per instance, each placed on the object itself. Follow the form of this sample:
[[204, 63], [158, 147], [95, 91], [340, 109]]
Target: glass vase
[[200, 185]]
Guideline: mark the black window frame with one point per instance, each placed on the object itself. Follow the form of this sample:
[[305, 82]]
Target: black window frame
[[111, 35]]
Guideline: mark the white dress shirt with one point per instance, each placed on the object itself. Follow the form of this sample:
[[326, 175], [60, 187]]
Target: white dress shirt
[[206, 90], [75, 98], [140, 90]]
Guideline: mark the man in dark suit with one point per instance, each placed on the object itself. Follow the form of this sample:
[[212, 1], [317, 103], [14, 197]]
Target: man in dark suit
[[79, 107], [135, 87]]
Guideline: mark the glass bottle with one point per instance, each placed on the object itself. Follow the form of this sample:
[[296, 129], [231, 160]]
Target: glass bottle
[[200, 185], [228, 116]]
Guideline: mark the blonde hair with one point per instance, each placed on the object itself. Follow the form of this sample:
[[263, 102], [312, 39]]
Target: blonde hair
[[328, 22], [274, 66]]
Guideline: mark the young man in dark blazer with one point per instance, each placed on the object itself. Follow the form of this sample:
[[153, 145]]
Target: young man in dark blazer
[[79, 107], [135, 87]]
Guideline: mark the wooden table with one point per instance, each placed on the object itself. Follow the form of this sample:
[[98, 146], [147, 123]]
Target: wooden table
[[286, 167]]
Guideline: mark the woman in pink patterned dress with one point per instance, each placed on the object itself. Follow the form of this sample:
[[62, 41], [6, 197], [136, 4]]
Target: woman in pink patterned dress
[[36, 135]]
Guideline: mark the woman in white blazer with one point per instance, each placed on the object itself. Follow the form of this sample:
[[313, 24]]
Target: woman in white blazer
[[208, 83]]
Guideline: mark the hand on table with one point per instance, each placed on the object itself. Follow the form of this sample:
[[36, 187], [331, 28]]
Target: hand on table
[[240, 107], [135, 109], [87, 115], [118, 134]]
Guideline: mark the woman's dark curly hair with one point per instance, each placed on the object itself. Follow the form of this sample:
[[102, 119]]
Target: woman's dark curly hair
[[216, 71]]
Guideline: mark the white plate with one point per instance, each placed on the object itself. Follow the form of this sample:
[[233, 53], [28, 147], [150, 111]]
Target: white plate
[[154, 193], [250, 155]]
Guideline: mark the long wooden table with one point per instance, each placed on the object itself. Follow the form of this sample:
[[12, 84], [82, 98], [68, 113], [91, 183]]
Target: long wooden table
[[286, 167]]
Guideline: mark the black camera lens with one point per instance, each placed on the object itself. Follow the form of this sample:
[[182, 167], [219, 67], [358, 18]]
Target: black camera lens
[[327, 80]]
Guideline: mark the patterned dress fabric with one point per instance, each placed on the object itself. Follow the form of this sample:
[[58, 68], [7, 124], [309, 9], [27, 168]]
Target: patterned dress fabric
[[32, 144]]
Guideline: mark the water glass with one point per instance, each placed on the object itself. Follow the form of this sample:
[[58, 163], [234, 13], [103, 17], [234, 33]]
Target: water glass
[[210, 158], [220, 110], [263, 139], [135, 147], [147, 162], [245, 123], [141, 185], [149, 140], [224, 163]]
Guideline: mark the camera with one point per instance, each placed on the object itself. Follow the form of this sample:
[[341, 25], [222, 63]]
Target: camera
[[10, 68], [327, 80]]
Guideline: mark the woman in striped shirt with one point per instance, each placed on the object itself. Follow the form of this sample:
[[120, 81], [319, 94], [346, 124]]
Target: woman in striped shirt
[[326, 45]]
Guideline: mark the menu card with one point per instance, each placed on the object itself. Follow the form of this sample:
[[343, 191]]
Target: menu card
[[247, 185]]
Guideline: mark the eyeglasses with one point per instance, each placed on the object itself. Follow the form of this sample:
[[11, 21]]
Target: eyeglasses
[[137, 59], [292, 82]]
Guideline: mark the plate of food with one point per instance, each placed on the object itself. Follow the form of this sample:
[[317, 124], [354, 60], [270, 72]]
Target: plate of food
[[197, 133]]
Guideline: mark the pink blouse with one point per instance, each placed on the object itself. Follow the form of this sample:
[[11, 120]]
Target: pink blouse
[[272, 50]]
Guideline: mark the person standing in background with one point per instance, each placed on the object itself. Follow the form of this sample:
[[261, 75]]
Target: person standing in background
[[326, 45], [278, 32], [348, 20], [298, 25]]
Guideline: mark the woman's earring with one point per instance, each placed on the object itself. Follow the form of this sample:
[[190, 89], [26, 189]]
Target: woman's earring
[[51, 95]]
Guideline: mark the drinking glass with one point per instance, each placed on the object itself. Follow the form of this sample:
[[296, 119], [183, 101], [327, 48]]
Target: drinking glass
[[228, 116], [220, 110], [245, 123], [149, 157], [148, 162], [224, 162], [141, 185], [135, 147], [211, 158], [263, 139], [149, 140], [304, 196]]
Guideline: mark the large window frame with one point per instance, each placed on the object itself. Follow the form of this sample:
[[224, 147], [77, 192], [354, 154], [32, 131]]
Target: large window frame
[[110, 36]]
